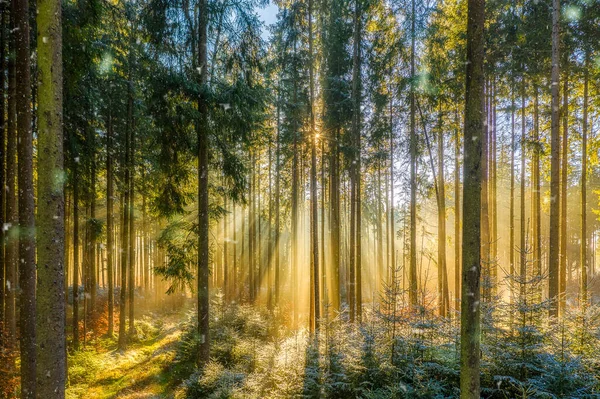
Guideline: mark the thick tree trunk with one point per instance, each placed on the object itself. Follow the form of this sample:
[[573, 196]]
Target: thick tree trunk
[[471, 253], [51, 320]]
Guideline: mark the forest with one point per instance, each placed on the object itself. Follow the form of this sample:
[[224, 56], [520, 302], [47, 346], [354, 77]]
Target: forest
[[299, 199]]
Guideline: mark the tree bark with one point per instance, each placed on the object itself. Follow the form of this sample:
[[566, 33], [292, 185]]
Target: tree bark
[[471, 246], [584, 235], [51, 320], [314, 229], [553, 252], [412, 278], [203, 154], [110, 222], [563, 194], [27, 252]]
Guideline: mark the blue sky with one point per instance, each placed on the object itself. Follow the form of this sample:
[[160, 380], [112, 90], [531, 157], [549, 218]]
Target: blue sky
[[268, 15]]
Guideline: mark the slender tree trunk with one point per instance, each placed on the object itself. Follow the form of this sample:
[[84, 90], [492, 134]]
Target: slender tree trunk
[[12, 215], [553, 253], [75, 255], [493, 196], [27, 252], [535, 189], [392, 216], [130, 205], [523, 246], [314, 229], [563, 194], [51, 318], [3, 291], [110, 223], [124, 246], [357, 90], [584, 235], [457, 213], [485, 216], [511, 244], [442, 275], [277, 211], [93, 266], [412, 278], [202, 132], [474, 129]]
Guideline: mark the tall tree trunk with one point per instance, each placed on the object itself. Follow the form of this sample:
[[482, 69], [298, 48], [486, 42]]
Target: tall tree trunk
[[27, 253], [493, 198], [277, 211], [12, 216], [554, 167], [457, 212], [131, 243], [523, 238], [356, 91], [442, 275], [563, 194], [51, 318], [75, 255], [110, 223], [124, 239], [314, 229], [202, 132], [535, 196], [485, 216], [511, 241], [412, 277], [471, 247], [392, 216], [3, 14], [93, 282], [584, 235]]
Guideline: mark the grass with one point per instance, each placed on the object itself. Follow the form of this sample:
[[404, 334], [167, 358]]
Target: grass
[[144, 370]]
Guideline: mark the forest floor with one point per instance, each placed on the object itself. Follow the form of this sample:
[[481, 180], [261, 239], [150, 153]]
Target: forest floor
[[144, 370]]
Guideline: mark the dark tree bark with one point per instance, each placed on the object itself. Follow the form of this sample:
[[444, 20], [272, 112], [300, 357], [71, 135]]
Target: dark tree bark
[[27, 267], [3, 14], [110, 222], [12, 216], [203, 154], [75, 255]]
